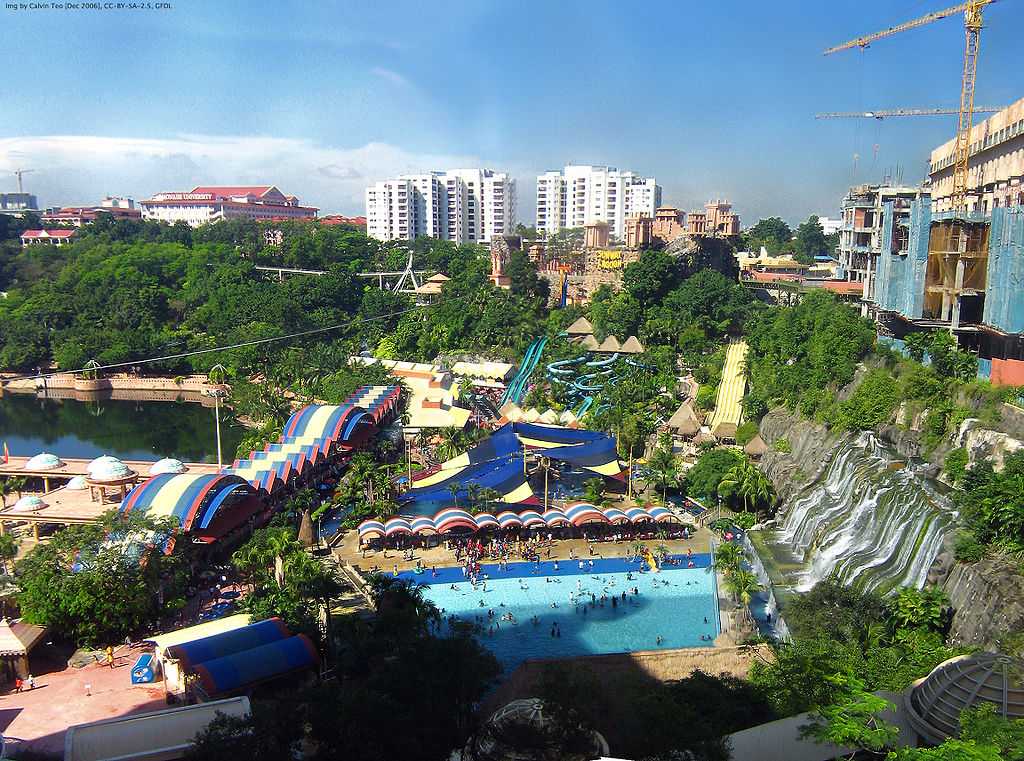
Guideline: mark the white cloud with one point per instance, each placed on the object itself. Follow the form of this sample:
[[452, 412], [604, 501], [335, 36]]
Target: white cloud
[[82, 169], [392, 76]]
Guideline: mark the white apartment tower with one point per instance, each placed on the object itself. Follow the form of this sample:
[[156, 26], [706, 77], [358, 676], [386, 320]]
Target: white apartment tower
[[460, 205], [579, 195]]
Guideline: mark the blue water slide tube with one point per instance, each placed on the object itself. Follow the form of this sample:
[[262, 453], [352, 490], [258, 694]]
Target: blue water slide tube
[[603, 362]]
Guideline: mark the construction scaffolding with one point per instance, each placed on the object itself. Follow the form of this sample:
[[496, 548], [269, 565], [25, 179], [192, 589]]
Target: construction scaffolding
[[954, 287], [1004, 304]]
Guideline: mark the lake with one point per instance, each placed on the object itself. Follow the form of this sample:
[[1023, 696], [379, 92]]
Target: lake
[[133, 430]]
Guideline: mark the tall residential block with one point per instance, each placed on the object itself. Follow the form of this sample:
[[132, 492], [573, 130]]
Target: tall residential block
[[580, 195], [460, 205]]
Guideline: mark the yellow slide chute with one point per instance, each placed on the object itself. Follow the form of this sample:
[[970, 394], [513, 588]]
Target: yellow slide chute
[[651, 561]]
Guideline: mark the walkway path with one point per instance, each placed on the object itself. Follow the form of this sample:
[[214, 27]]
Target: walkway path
[[730, 390]]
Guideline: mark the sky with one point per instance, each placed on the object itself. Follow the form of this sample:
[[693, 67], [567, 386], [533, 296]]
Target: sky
[[322, 99]]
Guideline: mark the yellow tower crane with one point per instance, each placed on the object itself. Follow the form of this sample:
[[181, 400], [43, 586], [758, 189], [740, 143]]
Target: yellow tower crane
[[901, 112], [972, 23]]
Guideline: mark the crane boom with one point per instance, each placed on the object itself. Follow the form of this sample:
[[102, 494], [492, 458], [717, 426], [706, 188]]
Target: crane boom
[[901, 112], [972, 23], [20, 172], [863, 42]]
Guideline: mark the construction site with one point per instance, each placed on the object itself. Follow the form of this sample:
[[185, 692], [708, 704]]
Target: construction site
[[947, 254]]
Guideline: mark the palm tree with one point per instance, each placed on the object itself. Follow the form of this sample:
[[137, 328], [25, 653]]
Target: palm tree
[[748, 482], [452, 443], [455, 487], [728, 557], [741, 584], [473, 492], [489, 494], [663, 465]]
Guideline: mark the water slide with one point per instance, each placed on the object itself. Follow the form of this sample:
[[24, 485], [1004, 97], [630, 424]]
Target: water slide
[[651, 561], [517, 385]]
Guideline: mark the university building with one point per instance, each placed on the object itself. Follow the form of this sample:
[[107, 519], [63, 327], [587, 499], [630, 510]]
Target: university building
[[460, 205], [202, 205]]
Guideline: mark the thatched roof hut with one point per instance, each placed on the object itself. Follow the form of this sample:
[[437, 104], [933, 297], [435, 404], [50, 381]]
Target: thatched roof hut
[[725, 430], [581, 327], [756, 447], [686, 421], [611, 344], [632, 346]]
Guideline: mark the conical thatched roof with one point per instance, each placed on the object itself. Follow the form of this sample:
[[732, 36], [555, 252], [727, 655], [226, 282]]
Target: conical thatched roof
[[611, 343], [756, 447], [725, 430], [686, 421], [306, 530], [589, 342], [703, 438], [632, 346], [581, 327]]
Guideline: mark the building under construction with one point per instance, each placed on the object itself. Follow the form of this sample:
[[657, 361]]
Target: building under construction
[[964, 269]]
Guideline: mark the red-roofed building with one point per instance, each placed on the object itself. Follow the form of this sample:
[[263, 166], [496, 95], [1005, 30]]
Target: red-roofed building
[[119, 208], [337, 219], [214, 203], [53, 237]]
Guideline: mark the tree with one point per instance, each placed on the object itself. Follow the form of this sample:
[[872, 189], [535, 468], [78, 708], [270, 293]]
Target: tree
[[772, 233], [810, 241], [854, 721], [663, 464], [741, 584], [99, 582], [650, 278], [728, 557]]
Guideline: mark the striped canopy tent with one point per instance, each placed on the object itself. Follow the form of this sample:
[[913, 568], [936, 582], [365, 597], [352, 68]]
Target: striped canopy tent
[[453, 518], [397, 526], [555, 517], [531, 519], [422, 525], [508, 519], [378, 401], [579, 513], [207, 505], [486, 520], [370, 527], [614, 515], [638, 515], [661, 515]]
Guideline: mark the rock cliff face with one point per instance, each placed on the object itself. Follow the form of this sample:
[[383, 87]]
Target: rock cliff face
[[811, 448], [987, 597]]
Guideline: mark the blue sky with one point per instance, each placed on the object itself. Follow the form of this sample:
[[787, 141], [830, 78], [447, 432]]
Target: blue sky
[[715, 100]]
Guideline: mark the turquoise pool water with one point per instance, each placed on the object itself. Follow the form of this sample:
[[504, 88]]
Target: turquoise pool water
[[672, 604]]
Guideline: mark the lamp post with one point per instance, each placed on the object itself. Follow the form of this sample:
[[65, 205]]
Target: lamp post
[[216, 376], [719, 507]]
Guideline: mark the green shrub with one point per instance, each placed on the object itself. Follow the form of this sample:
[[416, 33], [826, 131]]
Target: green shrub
[[746, 433], [956, 464], [968, 549], [706, 397], [781, 445], [870, 404]]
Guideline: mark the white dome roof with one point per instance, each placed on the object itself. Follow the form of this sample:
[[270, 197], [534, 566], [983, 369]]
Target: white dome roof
[[100, 462], [77, 484], [44, 461], [167, 465], [29, 502], [110, 470]]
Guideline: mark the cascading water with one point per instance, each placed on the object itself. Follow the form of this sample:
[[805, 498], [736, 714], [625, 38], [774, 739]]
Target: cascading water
[[872, 521]]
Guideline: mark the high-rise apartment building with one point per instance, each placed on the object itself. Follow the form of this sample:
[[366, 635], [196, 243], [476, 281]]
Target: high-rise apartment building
[[460, 205], [580, 195]]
